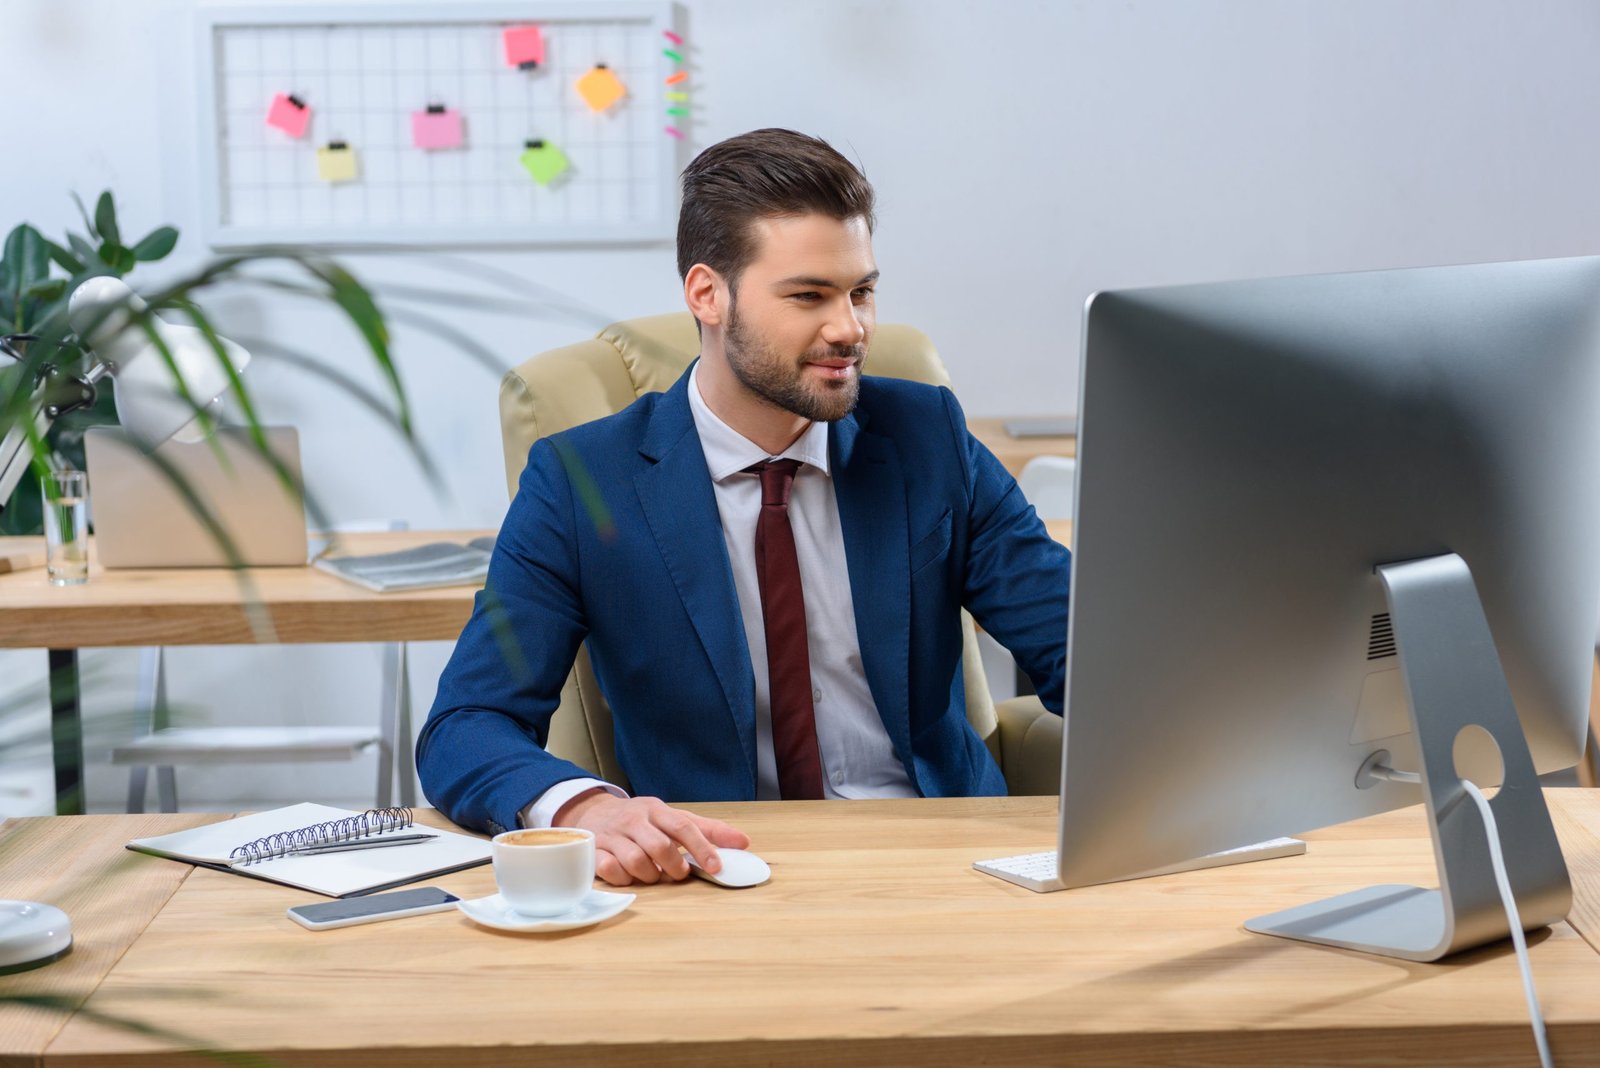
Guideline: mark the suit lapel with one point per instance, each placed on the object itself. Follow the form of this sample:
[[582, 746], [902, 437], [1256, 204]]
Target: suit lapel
[[681, 509], [872, 511]]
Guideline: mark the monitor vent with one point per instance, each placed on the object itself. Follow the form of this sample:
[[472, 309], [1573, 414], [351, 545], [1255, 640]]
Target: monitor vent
[[1380, 642]]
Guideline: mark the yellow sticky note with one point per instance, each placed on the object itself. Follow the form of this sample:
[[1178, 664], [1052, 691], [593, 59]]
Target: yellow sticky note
[[544, 161], [336, 163], [600, 88]]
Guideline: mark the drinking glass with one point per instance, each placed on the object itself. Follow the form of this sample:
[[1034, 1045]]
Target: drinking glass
[[66, 528]]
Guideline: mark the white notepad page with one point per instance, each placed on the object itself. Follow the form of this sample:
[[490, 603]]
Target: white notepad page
[[342, 874]]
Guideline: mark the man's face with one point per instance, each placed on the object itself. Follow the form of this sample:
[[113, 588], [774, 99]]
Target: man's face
[[803, 313]]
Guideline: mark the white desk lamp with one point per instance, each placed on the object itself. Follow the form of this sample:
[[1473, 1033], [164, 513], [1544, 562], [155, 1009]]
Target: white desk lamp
[[152, 409], [149, 404]]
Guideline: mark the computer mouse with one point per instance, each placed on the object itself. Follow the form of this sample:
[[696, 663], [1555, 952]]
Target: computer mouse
[[739, 869]]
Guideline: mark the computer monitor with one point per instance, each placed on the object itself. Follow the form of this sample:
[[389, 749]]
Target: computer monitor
[[1293, 494]]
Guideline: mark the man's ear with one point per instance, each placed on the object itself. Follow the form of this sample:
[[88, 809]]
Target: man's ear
[[706, 294]]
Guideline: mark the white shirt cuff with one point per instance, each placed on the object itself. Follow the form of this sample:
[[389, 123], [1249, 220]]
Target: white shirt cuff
[[547, 804]]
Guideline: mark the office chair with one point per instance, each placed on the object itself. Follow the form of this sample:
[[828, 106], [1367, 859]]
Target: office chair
[[578, 383], [162, 746], [1049, 483]]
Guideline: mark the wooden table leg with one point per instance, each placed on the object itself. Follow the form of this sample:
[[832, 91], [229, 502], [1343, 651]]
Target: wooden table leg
[[66, 732]]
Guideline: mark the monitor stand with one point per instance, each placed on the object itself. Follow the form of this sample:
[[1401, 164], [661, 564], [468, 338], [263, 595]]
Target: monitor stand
[[1454, 681]]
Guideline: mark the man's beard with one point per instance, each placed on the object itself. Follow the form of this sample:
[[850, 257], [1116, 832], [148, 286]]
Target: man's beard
[[767, 374]]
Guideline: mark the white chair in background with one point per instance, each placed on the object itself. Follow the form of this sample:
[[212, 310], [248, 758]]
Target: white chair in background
[[1049, 483], [163, 747]]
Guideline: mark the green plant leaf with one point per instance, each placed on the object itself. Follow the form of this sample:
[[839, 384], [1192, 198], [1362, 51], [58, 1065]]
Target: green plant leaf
[[156, 244], [88, 224], [27, 264], [64, 259], [119, 258], [26, 256], [105, 219], [359, 306], [85, 251], [52, 289]]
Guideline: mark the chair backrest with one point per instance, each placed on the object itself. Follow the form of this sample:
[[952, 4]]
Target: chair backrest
[[568, 386], [1048, 482]]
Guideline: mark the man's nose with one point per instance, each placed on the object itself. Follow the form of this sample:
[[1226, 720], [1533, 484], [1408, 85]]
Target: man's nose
[[844, 325]]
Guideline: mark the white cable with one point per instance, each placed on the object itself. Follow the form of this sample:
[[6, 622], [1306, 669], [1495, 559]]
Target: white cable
[[1539, 1037]]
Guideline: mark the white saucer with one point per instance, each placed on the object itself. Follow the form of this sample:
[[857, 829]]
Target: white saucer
[[597, 905]]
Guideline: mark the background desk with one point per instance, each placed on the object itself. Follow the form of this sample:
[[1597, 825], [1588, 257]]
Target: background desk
[[206, 606], [1015, 452], [874, 943]]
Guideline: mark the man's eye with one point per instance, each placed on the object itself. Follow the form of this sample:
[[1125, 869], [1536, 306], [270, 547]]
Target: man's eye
[[805, 296], [864, 293]]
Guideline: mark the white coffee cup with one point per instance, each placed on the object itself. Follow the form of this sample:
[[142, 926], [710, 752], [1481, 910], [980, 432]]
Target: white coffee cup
[[544, 872]]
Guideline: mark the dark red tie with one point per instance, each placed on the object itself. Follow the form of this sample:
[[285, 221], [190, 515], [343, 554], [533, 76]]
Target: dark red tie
[[783, 614]]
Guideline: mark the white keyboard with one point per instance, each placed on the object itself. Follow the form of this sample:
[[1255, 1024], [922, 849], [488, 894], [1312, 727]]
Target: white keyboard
[[1037, 871]]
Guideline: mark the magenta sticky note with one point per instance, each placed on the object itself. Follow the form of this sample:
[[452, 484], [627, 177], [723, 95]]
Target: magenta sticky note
[[524, 46], [436, 129], [289, 115]]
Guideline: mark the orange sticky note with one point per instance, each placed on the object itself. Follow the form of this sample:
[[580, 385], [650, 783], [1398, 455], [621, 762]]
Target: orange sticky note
[[289, 115], [600, 87], [436, 128], [524, 46]]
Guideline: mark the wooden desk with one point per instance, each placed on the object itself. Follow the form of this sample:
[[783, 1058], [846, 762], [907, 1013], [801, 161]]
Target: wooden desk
[[207, 606], [875, 943], [1014, 452]]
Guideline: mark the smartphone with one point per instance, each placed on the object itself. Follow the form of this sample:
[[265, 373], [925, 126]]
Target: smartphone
[[349, 911]]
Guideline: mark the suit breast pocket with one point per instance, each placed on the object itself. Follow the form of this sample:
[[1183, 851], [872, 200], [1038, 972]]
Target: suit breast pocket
[[932, 546]]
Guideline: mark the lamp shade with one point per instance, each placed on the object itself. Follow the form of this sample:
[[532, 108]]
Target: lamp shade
[[150, 406]]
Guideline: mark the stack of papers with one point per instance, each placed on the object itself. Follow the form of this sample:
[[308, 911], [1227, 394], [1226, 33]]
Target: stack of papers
[[441, 563]]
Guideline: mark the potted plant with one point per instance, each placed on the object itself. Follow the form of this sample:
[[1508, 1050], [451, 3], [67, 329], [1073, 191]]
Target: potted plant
[[52, 371]]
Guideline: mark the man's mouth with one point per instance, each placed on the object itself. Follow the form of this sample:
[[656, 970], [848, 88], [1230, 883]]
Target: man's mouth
[[838, 367]]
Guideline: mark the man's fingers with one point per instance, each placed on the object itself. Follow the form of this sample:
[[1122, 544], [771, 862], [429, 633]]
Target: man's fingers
[[685, 831], [638, 839], [657, 839], [722, 834], [610, 869], [633, 859]]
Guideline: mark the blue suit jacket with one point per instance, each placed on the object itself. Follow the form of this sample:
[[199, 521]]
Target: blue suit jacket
[[614, 539]]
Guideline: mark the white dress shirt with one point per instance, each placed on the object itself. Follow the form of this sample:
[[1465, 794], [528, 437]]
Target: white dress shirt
[[858, 759]]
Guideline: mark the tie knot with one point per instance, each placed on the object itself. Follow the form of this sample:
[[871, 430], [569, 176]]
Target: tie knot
[[776, 478]]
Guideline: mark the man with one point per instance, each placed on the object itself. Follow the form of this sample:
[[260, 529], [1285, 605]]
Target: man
[[772, 608]]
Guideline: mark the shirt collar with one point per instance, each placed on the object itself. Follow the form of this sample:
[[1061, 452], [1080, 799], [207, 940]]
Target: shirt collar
[[729, 452]]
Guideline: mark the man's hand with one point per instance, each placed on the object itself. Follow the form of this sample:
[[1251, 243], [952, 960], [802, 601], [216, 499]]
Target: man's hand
[[637, 838]]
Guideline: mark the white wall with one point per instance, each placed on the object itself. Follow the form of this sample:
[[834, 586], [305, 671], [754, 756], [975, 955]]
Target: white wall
[[1025, 154]]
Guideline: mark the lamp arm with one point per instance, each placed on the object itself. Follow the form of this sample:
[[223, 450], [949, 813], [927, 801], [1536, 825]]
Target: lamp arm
[[54, 394], [16, 454]]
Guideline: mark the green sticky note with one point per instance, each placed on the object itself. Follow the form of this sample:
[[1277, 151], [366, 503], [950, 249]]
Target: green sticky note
[[544, 161]]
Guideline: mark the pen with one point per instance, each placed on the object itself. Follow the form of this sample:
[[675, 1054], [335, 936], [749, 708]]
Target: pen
[[362, 843]]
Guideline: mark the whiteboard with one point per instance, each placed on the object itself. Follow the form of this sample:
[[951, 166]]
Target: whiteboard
[[364, 69]]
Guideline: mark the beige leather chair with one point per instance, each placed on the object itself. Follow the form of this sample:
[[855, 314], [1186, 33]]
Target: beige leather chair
[[572, 385]]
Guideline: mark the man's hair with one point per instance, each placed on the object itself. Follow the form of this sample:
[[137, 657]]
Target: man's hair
[[771, 172]]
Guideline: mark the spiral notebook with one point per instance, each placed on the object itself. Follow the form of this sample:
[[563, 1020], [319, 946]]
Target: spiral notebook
[[263, 846]]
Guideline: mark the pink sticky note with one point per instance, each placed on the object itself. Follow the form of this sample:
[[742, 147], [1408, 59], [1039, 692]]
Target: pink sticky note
[[289, 115], [436, 129], [524, 46]]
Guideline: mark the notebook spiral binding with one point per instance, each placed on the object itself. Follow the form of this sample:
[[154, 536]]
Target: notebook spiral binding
[[372, 821]]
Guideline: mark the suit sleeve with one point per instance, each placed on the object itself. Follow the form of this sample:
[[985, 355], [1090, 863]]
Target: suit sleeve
[[1017, 576], [481, 754]]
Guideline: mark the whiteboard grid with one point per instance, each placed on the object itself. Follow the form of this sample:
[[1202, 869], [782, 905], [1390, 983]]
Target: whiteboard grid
[[363, 77]]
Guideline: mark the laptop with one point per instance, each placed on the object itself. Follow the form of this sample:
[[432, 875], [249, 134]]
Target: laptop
[[142, 520]]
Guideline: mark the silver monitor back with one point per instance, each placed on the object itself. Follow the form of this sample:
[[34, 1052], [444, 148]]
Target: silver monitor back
[[141, 519], [1249, 452]]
